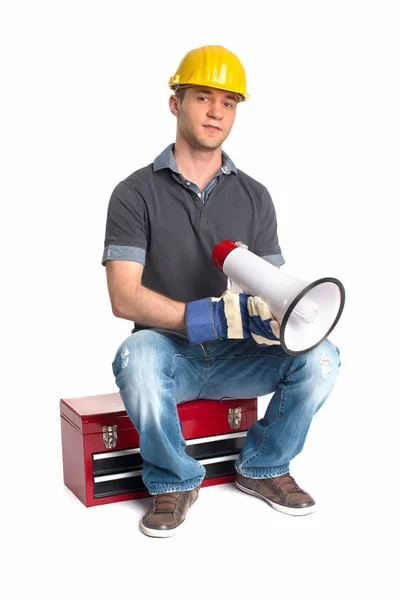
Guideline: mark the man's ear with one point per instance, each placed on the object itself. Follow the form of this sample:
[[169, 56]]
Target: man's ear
[[174, 105]]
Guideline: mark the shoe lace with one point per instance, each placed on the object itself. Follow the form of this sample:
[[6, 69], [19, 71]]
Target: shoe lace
[[287, 483], [167, 503]]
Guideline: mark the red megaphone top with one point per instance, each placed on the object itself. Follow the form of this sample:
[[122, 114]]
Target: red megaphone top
[[221, 251]]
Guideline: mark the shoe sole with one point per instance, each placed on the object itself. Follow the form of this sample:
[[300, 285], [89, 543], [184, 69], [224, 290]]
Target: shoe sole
[[160, 533], [163, 533], [296, 512]]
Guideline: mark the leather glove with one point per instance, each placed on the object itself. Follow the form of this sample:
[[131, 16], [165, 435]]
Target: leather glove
[[232, 316]]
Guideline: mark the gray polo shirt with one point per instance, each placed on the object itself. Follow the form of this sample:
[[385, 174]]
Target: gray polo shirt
[[158, 218]]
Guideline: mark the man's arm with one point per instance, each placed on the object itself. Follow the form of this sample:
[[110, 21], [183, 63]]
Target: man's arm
[[132, 301]]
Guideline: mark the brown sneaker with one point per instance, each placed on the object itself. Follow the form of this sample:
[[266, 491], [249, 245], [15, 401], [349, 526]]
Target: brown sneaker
[[282, 493], [167, 512]]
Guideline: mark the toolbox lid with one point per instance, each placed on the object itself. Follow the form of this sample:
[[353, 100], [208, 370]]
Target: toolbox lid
[[90, 413]]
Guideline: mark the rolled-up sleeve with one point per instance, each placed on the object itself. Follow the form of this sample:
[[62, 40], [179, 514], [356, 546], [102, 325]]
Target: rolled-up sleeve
[[126, 234]]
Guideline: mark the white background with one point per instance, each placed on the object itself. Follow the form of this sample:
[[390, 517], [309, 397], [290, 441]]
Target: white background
[[84, 104]]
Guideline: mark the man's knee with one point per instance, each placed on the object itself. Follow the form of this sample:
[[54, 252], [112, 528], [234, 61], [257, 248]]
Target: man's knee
[[319, 365], [143, 353], [327, 358]]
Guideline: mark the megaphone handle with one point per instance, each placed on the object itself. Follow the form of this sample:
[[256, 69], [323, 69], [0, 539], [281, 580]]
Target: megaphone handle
[[233, 287]]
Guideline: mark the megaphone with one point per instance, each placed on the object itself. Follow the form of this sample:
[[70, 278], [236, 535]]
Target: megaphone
[[306, 311]]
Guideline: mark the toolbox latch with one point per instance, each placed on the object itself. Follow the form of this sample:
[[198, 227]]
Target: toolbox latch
[[235, 417], [110, 436]]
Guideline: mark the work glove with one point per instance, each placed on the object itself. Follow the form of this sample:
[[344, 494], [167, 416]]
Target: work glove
[[232, 316]]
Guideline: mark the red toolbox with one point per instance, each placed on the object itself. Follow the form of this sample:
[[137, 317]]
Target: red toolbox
[[100, 446]]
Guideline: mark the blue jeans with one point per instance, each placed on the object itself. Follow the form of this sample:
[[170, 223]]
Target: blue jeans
[[156, 370]]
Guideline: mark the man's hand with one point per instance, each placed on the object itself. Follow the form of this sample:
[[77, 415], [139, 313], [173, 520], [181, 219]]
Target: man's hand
[[232, 316]]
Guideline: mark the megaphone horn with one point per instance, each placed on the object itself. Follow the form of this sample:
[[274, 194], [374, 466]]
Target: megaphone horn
[[306, 311]]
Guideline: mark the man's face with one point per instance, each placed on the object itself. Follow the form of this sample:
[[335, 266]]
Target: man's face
[[205, 116]]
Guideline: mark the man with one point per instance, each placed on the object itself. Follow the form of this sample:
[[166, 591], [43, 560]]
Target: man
[[163, 222]]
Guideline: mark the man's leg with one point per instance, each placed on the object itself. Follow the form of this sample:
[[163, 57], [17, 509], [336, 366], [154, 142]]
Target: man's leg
[[154, 372], [153, 375], [301, 384]]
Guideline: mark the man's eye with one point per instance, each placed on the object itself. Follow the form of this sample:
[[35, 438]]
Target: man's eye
[[202, 98]]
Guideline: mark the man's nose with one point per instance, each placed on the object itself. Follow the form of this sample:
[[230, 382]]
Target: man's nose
[[215, 110]]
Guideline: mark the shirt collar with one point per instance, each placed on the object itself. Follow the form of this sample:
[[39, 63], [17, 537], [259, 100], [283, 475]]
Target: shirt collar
[[166, 160]]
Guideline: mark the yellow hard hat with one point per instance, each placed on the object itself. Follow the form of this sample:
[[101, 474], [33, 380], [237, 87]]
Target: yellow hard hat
[[211, 66]]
